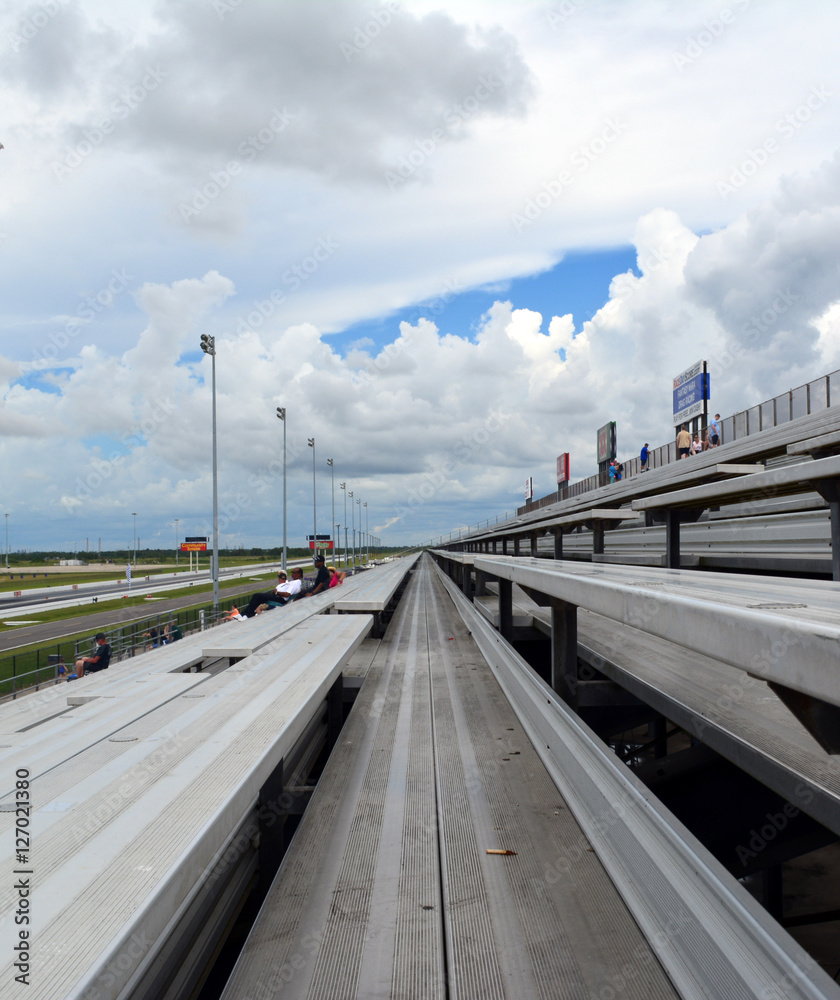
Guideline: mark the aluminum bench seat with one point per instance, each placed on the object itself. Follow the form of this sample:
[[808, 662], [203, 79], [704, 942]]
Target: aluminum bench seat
[[388, 889], [822, 474], [786, 632], [239, 638], [125, 849]]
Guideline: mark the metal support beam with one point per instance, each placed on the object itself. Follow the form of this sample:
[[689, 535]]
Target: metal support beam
[[534, 544], [335, 711], [272, 832], [506, 609], [672, 539], [516, 545], [558, 543], [598, 538], [480, 584], [829, 490], [564, 679]]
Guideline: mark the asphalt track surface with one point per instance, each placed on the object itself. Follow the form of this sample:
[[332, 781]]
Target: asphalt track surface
[[47, 632]]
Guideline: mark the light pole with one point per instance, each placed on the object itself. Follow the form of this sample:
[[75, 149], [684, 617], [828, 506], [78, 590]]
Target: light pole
[[353, 531], [281, 415], [208, 345], [134, 515], [367, 535], [332, 474], [177, 519], [311, 443], [7, 541], [343, 486], [359, 503]]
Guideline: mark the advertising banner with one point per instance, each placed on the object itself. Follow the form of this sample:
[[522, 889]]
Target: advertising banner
[[691, 388], [606, 443], [563, 469]]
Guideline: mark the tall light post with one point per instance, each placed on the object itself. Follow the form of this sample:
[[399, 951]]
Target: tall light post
[[208, 345], [281, 415], [311, 443], [7, 541], [134, 515], [352, 531], [343, 486], [332, 474], [367, 535], [359, 504], [177, 519]]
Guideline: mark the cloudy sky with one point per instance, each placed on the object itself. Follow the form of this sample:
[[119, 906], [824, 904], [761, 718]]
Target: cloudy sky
[[451, 242]]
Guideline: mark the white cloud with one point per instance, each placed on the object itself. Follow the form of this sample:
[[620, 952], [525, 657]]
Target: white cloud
[[617, 122]]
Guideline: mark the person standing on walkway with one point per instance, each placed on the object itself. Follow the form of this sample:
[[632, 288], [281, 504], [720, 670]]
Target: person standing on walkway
[[714, 431], [644, 457], [683, 443]]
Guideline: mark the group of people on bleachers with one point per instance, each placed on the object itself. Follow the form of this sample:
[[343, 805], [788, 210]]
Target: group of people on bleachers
[[287, 590], [686, 445]]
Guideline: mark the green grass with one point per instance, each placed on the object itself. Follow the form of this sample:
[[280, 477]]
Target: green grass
[[30, 581], [62, 614], [35, 656]]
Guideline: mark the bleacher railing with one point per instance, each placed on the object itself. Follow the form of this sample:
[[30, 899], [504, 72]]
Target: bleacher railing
[[799, 402], [35, 668]]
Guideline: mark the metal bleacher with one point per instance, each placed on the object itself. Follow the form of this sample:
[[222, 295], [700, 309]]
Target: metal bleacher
[[470, 837]]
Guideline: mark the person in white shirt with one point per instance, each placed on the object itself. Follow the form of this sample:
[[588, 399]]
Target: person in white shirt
[[282, 593]]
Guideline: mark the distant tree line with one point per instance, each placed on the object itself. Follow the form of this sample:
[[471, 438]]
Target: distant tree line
[[167, 555]]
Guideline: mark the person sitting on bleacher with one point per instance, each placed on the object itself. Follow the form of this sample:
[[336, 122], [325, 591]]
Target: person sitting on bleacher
[[282, 593], [91, 664], [322, 579]]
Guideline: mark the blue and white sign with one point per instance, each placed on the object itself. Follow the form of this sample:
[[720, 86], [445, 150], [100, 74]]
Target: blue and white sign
[[691, 388]]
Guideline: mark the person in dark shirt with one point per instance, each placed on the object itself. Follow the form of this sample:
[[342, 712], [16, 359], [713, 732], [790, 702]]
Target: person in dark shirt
[[172, 633], [322, 579], [91, 664]]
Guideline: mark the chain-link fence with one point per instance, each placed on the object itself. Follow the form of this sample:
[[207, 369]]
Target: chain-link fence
[[35, 668]]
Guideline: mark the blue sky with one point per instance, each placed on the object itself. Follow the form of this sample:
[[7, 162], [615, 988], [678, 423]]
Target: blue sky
[[579, 285]]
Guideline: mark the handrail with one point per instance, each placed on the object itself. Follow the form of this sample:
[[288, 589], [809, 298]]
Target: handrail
[[799, 402]]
